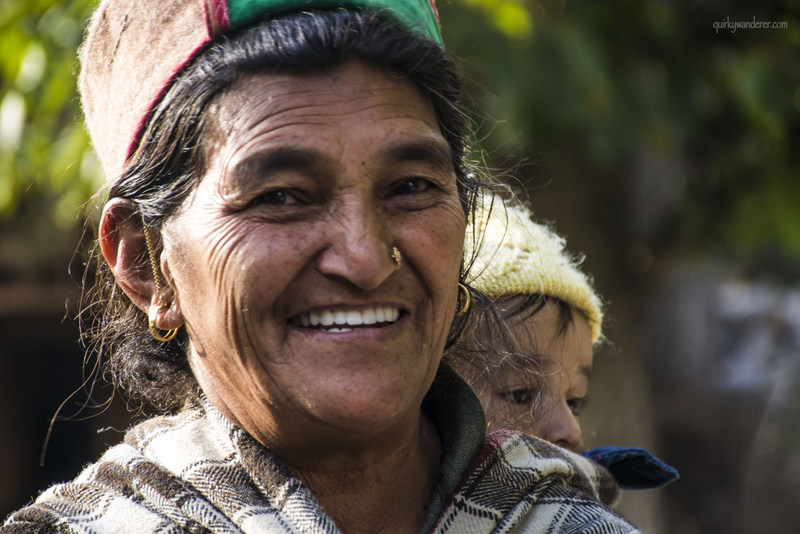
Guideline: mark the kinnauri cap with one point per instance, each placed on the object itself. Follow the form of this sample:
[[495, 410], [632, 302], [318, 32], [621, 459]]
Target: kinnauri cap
[[515, 255], [135, 48]]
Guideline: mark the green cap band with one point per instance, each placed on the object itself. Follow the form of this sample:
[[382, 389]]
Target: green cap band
[[417, 15], [151, 41]]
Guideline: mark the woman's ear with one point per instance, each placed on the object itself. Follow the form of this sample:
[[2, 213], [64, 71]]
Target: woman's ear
[[124, 247]]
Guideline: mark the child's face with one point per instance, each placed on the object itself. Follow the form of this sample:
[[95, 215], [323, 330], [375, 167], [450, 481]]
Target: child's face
[[566, 362]]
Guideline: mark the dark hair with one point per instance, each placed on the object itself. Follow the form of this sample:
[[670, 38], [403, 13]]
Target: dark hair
[[530, 304], [171, 157]]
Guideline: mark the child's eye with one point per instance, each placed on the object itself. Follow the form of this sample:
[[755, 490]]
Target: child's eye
[[523, 396], [577, 405]]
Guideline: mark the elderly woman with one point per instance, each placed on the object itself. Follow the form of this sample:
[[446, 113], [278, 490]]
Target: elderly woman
[[287, 203]]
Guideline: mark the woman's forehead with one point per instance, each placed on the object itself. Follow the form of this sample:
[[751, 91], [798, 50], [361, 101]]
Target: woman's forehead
[[352, 86], [355, 106]]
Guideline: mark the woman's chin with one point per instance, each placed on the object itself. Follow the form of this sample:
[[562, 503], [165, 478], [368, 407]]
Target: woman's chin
[[367, 410]]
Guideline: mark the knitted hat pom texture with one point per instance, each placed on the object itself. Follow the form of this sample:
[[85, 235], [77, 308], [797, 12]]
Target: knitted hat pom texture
[[516, 255]]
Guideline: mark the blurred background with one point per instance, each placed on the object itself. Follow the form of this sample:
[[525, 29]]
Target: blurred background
[[662, 142]]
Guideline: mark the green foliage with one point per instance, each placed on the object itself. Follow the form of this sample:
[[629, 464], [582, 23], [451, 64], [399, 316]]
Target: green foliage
[[510, 17], [44, 152], [621, 78], [596, 82]]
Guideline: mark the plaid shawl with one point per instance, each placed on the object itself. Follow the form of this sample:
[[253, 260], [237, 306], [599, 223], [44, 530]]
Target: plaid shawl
[[196, 472]]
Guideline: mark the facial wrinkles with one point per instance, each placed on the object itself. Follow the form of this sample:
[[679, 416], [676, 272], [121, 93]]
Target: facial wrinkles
[[242, 326], [450, 302], [220, 246], [312, 112], [320, 121], [240, 249], [430, 244], [306, 107]]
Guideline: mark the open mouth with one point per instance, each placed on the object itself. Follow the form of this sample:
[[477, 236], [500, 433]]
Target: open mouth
[[347, 320]]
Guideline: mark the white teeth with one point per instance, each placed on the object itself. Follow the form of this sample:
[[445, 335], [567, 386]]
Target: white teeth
[[353, 318], [329, 318]]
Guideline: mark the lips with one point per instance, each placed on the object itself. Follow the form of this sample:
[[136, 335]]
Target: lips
[[347, 320]]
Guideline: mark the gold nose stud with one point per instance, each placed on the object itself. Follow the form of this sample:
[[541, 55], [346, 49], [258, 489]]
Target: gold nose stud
[[396, 256]]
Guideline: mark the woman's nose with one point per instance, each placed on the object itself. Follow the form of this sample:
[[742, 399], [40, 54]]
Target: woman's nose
[[358, 249], [564, 430]]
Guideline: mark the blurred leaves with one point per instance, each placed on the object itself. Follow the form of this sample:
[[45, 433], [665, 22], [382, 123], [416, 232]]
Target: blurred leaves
[[606, 84], [44, 152], [619, 79], [511, 17]]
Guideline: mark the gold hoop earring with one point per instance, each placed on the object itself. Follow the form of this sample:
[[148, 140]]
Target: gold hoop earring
[[161, 335], [467, 300], [157, 333], [396, 256]]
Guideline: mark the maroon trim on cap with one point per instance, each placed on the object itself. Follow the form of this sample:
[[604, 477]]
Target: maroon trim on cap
[[217, 16], [435, 13], [140, 126]]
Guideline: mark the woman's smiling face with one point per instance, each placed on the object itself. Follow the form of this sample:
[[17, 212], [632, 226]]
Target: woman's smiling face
[[312, 179]]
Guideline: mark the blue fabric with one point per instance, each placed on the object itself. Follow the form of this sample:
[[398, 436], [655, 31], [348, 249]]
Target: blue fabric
[[633, 467]]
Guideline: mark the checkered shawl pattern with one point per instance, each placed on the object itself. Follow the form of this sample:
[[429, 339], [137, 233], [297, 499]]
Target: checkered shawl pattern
[[519, 484], [197, 473]]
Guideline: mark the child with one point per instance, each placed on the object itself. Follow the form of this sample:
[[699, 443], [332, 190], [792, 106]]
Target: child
[[554, 317]]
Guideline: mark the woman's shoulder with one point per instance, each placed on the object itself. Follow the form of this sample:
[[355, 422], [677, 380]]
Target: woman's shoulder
[[105, 497], [136, 486], [508, 453], [194, 472], [522, 484]]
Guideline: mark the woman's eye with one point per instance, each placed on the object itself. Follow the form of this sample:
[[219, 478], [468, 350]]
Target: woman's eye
[[577, 405], [411, 186], [279, 197], [519, 396]]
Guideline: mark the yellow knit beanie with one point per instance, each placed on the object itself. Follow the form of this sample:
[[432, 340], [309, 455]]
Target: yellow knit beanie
[[518, 256]]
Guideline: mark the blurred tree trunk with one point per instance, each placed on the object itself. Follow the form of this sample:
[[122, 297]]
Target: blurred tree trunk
[[612, 230]]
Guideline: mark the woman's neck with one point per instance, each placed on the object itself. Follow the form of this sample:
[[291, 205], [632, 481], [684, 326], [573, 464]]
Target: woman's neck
[[384, 487]]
